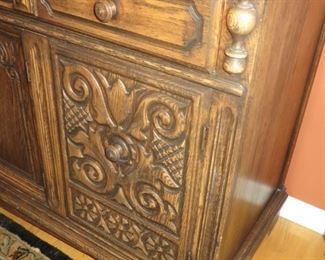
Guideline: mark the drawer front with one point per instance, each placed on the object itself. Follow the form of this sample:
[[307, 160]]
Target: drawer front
[[127, 140], [174, 29], [28, 6]]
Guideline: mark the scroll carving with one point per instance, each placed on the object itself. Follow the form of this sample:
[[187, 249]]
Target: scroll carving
[[121, 229], [126, 141], [8, 60], [241, 20]]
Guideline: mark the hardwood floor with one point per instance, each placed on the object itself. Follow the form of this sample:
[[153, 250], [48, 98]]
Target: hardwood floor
[[287, 241]]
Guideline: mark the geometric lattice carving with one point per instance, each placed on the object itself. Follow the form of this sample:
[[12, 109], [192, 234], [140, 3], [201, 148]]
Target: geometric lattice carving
[[75, 116], [171, 156]]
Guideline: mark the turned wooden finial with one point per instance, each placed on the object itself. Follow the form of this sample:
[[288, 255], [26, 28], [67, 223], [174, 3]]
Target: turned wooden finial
[[241, 20]]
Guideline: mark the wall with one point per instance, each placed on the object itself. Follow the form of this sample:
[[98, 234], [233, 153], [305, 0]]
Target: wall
[[306, 177]]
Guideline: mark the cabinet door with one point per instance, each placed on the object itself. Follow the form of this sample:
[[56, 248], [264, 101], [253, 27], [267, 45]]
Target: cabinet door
[[27, 154], [19, 146], [130, 146]]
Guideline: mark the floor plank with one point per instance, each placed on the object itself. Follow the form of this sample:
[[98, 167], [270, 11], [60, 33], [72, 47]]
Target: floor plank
[[287, 241]]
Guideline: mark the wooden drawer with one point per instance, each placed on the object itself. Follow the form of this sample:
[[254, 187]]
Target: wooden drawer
[[174, 29], [127, 142], [22, 5]]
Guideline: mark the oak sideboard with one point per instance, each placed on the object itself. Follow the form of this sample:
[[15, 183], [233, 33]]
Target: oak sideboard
[[153, 129]]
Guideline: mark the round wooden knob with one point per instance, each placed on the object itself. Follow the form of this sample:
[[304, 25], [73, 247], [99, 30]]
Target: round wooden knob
[[105, 10], [115, 152]]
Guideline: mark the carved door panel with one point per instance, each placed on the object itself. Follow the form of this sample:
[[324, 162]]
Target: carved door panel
[[19, 147], [129, 142]]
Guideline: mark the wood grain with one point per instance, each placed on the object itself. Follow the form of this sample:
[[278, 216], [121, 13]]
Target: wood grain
[[277, 89], [18, 135], [291, 241], [165, 28], [148, 148]]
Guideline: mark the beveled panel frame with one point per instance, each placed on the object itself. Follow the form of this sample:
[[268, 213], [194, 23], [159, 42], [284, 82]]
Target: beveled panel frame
[[82, 133]]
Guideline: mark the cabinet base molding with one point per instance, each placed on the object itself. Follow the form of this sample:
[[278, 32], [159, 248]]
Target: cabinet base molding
[[66, 230], [263, 225], [62, 228], [304, 214]]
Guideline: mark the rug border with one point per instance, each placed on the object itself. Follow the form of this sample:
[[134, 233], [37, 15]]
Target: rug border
[[32, 240]]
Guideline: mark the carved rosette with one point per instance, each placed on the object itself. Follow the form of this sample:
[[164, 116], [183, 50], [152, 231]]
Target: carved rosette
[[121, 229], [241, 20], [126, 142]]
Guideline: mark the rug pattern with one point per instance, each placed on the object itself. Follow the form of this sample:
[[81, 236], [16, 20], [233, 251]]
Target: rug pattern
[[17, 243]]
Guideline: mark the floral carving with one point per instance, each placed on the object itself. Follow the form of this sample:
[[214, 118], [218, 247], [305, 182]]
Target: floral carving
[[121, 229], [126, 141], [8, 60], [158, 248], [85, 208]]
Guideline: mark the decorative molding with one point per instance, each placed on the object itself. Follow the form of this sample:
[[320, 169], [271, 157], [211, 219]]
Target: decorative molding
[[120, 229], [241, 20], [38, 80], [196, 38], [262, 226], [36, 49], [304, 214], [8, 60], [126, 141], [222, 146], [224, 85], [48, 7]]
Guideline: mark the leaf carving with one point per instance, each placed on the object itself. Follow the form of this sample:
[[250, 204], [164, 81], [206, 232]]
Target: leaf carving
[[82, 86], [126, 141]]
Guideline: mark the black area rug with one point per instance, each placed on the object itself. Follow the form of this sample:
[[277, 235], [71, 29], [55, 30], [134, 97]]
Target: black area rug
[[11, 232]]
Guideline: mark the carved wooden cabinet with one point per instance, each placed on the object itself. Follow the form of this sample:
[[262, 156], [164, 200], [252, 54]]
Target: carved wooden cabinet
[[153, 129]]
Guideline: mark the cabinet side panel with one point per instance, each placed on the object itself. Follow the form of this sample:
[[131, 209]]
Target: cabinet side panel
[[287, 47]]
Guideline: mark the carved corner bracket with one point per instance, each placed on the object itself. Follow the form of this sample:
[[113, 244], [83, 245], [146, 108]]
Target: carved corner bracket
[[241, 20]]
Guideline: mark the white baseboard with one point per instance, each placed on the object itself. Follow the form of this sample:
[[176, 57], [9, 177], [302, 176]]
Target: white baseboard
[[304, 214]]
